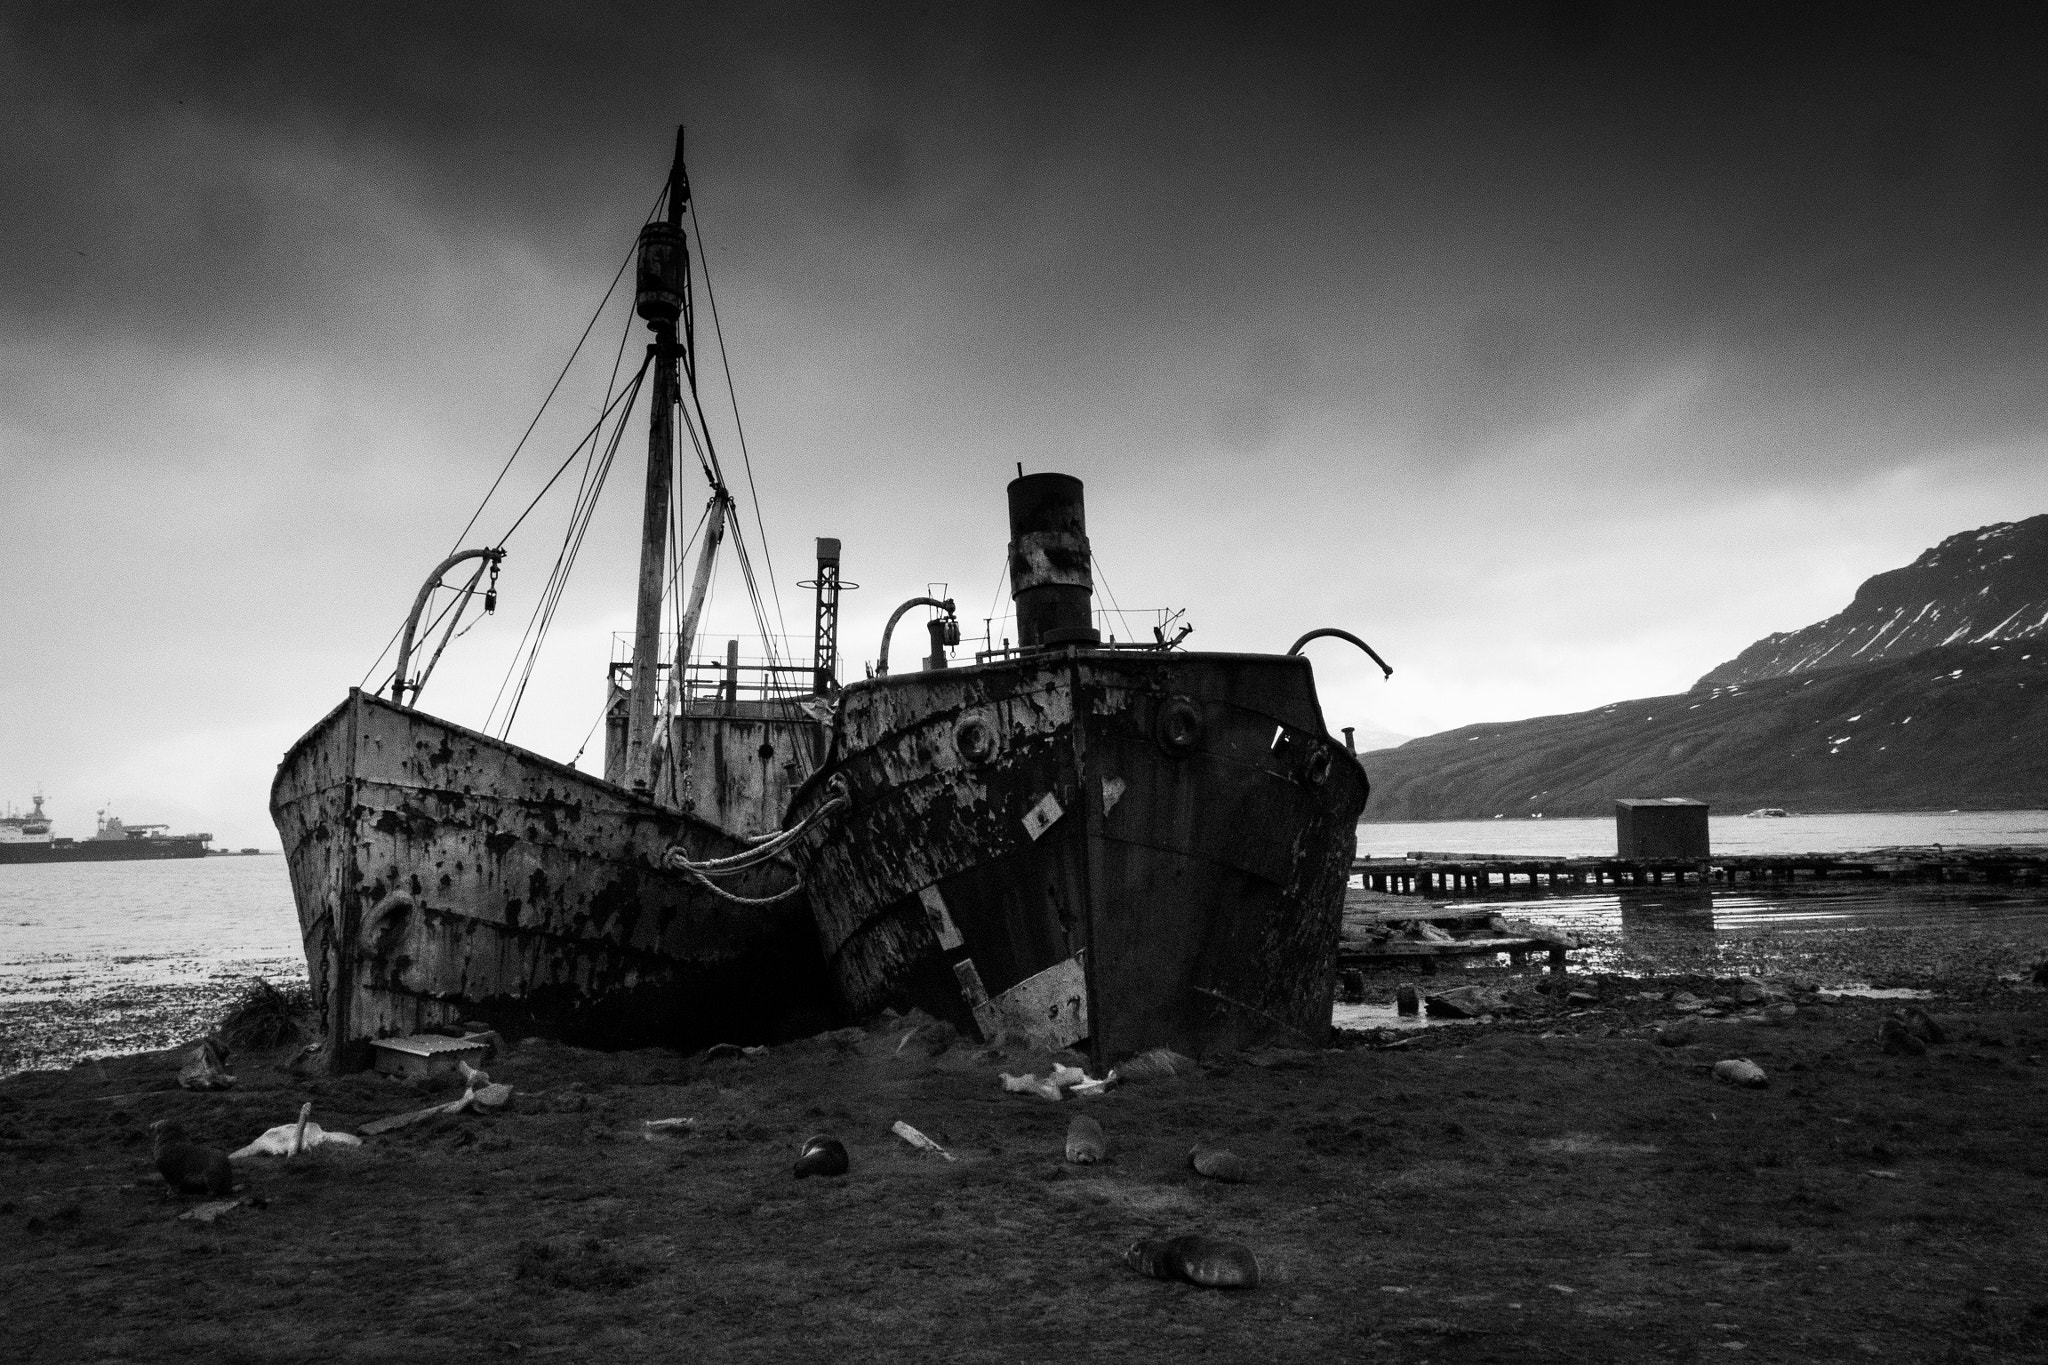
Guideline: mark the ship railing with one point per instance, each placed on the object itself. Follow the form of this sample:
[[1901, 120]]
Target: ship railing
[[732, 679]]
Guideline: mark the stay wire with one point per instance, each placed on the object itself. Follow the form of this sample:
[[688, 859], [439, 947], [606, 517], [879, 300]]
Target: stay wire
[[633, 390], [539, 412], [579, 522], [746, 456], [620, 274], [583, 491], [1111, 592], [565, 561]]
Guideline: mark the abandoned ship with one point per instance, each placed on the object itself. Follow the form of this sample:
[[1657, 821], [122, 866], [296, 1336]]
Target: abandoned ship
[[443, 874], [1116, 846]]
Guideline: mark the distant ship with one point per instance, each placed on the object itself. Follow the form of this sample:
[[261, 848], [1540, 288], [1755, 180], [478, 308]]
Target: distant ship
[[27, 839]]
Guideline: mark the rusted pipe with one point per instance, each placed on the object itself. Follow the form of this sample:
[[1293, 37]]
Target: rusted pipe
[[882, 665], [419, 605], [1386, 668]]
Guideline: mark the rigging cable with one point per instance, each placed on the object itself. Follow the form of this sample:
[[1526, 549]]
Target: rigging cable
[[1110, 591], [461, 605], [539, 412], [584, 490], [572, 543], [746, 457]]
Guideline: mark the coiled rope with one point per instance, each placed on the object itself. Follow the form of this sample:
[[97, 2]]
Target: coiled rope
[[766, 848]]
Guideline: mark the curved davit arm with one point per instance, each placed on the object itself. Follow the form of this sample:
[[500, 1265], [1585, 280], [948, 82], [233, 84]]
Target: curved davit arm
[[1386, 669], [493, 556], [882, 665]]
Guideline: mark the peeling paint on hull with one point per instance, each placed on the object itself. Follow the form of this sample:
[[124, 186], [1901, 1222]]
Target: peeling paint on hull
[[444, 875], [1182, 822]]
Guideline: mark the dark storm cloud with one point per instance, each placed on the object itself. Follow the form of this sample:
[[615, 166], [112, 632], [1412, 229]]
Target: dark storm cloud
[[1479, 328], [1455, 224]]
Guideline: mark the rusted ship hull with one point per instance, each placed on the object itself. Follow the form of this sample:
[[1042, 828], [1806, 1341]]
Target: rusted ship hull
[[1143, 849], [443, 875]]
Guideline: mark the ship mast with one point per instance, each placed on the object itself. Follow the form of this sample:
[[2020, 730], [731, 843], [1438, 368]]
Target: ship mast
[[663, 283]]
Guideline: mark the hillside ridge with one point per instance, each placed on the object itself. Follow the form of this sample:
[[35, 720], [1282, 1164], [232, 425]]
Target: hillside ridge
[[1955, 727], [1976, 587]]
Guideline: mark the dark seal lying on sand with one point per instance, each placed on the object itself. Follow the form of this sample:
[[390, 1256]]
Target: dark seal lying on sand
[[1200, 1260], [186, 1167]]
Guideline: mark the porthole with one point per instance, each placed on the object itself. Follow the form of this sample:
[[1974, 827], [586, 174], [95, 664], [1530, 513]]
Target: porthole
[[1179, 725], [975, 739]]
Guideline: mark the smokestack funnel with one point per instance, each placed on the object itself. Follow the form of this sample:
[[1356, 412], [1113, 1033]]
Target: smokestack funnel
[[1049, 562]]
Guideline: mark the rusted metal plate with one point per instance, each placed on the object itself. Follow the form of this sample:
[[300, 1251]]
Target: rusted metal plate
[[943, 929], [1206, 876], [1050, 1008], [441, 874]]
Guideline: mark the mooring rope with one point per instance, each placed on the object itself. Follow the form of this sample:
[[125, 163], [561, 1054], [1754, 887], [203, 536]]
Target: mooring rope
[[766, 848]]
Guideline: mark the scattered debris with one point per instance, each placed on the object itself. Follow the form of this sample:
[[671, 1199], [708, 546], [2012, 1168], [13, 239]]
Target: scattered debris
[[1451, 934], [489, 1097], [216, 1208], [1219, 1164], [1197, 1260], [666, 1130], [1741, 1071], [425, 1054], [1464, 1002], [827, 1155], [1085, 1142], [1032, 1084], [289, 1139], [1057, 1083], [917, 1139], [483, 1099], [206, 1067], [1157, 1065], [187, 1167]]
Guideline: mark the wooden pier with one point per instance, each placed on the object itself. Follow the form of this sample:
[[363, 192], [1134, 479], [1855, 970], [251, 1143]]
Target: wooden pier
[[1423, 874]]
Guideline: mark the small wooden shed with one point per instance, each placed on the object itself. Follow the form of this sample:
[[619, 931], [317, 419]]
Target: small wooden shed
[[1660, 827]]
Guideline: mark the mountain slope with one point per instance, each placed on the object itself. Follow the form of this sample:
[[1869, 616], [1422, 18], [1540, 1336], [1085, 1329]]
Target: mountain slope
[[1978, 587], [1961, 727]]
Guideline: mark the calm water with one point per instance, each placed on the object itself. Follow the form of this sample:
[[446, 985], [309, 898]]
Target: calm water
[[67, 927], [104, 958]]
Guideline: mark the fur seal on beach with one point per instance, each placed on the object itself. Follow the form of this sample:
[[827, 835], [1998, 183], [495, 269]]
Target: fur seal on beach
[[1218, 1164], [206, 1066], [1198, 1260], [821, 1156], [187, 1167], [1085, 1142], [1923, 1025], [1898, 1039]]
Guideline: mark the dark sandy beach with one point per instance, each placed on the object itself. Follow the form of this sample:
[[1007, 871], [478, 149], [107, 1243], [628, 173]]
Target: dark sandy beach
[[1554, 1185]]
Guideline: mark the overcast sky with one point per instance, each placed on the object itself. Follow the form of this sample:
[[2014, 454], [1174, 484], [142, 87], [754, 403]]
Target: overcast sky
[[1557, 351]]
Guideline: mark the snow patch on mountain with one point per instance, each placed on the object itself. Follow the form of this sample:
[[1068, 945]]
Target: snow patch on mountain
[[1978, 587]]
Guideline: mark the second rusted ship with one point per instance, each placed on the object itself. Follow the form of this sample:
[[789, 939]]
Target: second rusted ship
[[1133, 846]]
